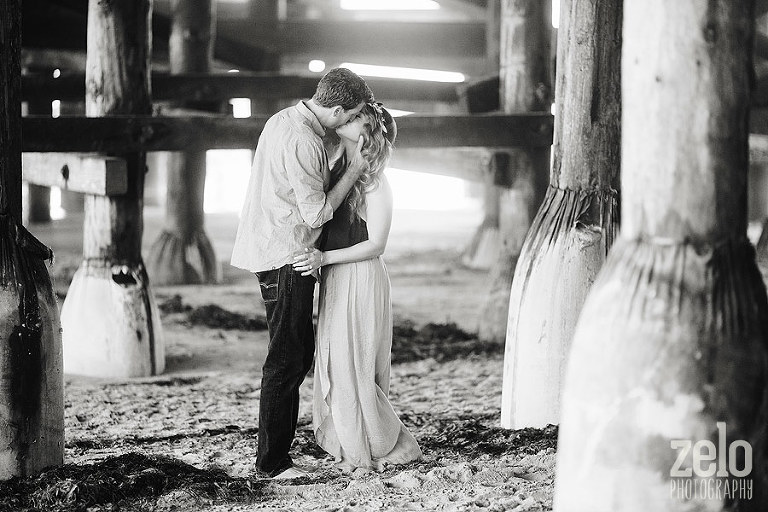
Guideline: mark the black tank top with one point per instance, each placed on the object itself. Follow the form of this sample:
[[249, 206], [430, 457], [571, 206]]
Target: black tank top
[[345, 229]]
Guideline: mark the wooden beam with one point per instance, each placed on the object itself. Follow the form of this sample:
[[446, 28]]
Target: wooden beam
[[62, 25], [251, 46], [481, 95], [761, 45], [760, 92], [71, 60], [758, 121], [362, 38], [467, 164], [148, 133], [100, 175], [89, 174], [215, 87], [475, 9]]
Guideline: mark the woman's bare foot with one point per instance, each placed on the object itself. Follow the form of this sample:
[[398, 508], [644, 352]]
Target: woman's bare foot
[[345, 467], [379, 465]]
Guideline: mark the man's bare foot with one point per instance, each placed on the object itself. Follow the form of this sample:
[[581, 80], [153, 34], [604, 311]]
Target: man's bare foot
[[293, 472]]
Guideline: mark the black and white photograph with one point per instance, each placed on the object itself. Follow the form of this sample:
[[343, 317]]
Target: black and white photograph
[[383, 255]]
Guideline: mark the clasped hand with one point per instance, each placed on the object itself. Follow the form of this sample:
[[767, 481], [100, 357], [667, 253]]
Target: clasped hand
[[309, 261]]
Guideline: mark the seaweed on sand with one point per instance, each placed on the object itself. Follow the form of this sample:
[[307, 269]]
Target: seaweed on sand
[[475, 435], [131, 479], [443, 342], [213, 316]]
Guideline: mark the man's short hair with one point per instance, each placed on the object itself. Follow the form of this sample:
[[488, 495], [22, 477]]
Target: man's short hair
[[341, 86]]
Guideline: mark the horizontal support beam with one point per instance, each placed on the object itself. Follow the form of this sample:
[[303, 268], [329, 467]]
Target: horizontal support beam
[[90, 174], [353, 39], [115, 135], [205, 87], [64, 25], [758, 121], [484, 130], [467, 164], [37, 58], [760, 91]]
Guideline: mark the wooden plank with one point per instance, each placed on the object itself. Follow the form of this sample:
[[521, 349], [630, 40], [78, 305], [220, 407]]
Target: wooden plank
[[467, 164], [758, 121], [89, 174], [374, 40], [50, 25], [100, 175], [486, 130], [36, 58], [214, 87], [134, 133]]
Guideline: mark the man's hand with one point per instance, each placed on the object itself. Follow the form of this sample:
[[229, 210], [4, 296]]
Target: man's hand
[[309, 261]]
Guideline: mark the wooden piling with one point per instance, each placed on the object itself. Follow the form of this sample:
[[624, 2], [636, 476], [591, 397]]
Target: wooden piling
[[110, 320], [182, 253], [671, 348], [576, 225], [484, 247], [39, 197], [526, 86], [31, 383]]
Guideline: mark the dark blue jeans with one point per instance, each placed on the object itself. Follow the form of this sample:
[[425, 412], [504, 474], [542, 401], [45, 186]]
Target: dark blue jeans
[[288, 300]]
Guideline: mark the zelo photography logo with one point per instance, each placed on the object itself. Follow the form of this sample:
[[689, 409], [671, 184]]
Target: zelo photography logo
[[705, 471]]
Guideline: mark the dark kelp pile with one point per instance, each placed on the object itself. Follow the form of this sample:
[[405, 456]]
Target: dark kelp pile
[[443, 342], [212, 316], [131, 480], [476, 435]]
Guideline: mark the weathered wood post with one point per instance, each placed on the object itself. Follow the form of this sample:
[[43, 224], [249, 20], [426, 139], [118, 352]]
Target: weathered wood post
[[483, 248], [668, 370], [183, 254], [73, 202], [31, 380], [526, 86], [575, 226], [38, 197], [39, 204], [110, 319]]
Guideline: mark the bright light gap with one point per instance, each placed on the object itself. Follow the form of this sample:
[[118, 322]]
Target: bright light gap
[[430, 75], [389, 5]]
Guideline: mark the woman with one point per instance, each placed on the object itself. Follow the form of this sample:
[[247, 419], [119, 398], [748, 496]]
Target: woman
[[353, 419]]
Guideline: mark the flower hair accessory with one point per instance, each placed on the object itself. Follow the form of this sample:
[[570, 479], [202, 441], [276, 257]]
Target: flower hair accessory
[[379, 114]]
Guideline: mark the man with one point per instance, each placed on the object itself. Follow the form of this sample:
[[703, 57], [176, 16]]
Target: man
[[285, 207]]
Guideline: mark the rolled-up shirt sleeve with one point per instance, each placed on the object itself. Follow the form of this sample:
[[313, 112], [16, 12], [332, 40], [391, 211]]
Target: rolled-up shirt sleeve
[[304, 163]]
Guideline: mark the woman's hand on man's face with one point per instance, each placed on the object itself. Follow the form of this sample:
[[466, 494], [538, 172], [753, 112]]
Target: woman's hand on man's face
[[356, 160]]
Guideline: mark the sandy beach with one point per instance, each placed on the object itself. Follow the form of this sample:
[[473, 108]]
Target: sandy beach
[[186, 439]]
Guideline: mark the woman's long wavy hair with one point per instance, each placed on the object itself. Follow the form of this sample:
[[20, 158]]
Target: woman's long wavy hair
[[379, 133]]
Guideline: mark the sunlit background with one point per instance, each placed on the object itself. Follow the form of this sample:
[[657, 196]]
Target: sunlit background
[[228, 171]]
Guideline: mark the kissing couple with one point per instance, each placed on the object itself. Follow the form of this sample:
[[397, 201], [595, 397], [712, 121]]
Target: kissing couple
[[308, 217]]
